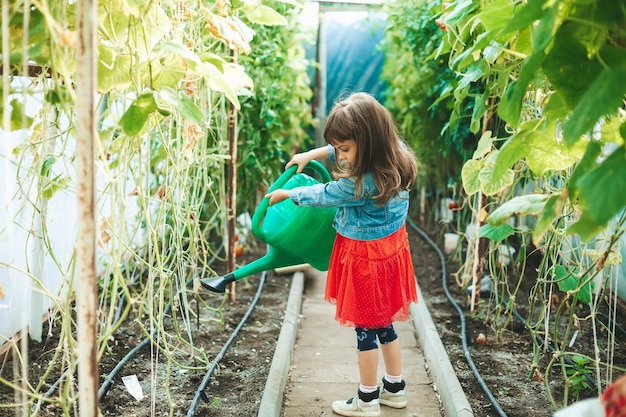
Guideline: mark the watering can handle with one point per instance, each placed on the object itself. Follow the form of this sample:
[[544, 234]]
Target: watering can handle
[[259, 213]]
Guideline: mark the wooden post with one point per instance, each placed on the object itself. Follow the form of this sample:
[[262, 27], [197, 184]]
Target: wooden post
[[481, 244], [86, 136], [320, 110], [232, 188]]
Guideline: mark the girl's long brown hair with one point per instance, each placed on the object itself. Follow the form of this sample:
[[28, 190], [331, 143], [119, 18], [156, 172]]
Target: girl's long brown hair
[[380, 149]]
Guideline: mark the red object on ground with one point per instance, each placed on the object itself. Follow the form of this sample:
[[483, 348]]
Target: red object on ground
[[614, 398]]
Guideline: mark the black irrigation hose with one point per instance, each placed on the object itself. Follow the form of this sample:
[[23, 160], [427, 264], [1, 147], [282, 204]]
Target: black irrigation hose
[[521, 319], [205, 381], [53, 388], [468, 356], [106, 385], [617, 326], [109, 380]]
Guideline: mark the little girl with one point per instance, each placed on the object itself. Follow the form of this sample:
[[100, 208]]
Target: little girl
[[370, 275]]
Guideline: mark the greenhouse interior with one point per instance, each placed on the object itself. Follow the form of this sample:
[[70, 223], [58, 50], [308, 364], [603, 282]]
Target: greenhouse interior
[[139, 140]]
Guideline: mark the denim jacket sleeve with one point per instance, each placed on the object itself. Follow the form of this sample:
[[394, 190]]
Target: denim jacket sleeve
[[357, 218], [334, 193]]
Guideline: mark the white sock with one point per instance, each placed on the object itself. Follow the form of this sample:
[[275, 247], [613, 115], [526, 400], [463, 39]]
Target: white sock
[[366, 389], [393, 379]]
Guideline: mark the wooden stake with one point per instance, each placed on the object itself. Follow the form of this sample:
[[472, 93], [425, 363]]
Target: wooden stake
[[232, 188], [85, 274]]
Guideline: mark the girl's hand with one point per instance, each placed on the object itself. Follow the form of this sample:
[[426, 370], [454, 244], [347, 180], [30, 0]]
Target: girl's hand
[[300, 159], [277, 196]]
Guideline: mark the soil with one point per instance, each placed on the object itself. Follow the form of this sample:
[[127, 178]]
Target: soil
[[505, 381], [235, 389]]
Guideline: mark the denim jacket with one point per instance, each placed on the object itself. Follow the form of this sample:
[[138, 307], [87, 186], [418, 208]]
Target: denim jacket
[[357, 218]]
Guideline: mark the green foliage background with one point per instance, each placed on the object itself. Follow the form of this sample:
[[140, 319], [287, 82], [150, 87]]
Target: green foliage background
[[420, 96]]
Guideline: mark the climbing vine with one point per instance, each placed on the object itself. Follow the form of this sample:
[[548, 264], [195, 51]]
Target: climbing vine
[[551, 75], [167, 74], [534, 85]]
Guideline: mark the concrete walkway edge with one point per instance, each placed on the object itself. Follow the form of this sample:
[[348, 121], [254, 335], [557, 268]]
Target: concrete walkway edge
[[444, 377], [272, 400], [446, 383]]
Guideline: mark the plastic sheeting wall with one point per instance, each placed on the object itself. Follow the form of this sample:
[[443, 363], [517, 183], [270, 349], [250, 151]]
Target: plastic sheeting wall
[[36, 265], [353, 61], [30, 267]]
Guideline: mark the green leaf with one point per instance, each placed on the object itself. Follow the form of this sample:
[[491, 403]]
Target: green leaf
[[551, 211], [603, 189], [537, 144], [547, 153], [167, 72], [47, 165], [514, 148], [545, 29], [604, 96], [610, 130], [556, 108], [529, 204], [53, 186], [587, 162], [510, 107], [213, 59], [19, 120], [496, 14], [218, 81], [466, 57], [523, 42], [484, 145], [585, 227], [136, 117], [113, 69], [524, 16], [469, 175], [188, 109], [497, 234], [292, 2], [475, 72], [461, 10], [478, 112], [183, 104], [118, 27], [264, 15], [568, 68], [491, 184], [179, 49], [607, 12], [570, 283]]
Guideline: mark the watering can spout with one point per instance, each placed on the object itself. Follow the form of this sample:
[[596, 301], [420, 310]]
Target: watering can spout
[[274, 258], [218, 284]]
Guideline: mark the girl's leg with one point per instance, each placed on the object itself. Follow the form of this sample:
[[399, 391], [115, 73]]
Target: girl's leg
[[392, 358], [367, 355], [366, 402], [368, 367], [392, 393]]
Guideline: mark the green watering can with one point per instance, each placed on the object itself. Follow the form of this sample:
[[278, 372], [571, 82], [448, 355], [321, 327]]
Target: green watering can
[[295, 235]]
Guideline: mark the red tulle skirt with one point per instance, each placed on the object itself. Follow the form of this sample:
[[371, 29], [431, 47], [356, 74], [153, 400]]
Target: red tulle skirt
[[372, 282]]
